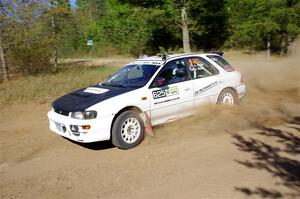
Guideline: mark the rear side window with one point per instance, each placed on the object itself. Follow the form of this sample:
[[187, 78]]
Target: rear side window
[[200, 68], [221, 62]]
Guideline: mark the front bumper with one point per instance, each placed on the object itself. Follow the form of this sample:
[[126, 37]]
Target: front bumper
[[99, 127], [241, 90]]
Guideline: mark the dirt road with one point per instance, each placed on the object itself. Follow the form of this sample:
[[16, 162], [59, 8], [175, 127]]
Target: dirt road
[[248, 151]]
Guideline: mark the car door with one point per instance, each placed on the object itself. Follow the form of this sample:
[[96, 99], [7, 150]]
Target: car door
[[171, 92], [206, 80]]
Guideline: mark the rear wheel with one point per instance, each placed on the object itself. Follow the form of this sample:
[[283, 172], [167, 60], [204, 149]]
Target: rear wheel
[[228, 96], [128, 130]]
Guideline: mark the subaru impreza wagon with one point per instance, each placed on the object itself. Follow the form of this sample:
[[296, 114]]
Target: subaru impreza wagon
[[149, 91]]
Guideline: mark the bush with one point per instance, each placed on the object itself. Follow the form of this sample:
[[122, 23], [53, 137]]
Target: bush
[[34, 60]]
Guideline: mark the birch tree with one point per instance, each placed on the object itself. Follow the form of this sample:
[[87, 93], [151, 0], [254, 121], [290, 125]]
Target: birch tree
[[185, 30], [5, 74], [3, 63]]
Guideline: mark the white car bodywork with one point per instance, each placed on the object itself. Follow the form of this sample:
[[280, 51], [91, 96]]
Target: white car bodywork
[[173, 101]]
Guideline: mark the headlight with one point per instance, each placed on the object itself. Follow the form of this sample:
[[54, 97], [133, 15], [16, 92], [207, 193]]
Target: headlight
[[86, 115], [89, 115]]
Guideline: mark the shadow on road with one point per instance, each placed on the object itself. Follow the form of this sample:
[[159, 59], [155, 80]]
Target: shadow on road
[[275, 157], [103, 145], [96, 146]]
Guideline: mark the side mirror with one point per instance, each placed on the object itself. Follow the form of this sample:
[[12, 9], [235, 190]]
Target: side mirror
[[160, 81], [108, 77]]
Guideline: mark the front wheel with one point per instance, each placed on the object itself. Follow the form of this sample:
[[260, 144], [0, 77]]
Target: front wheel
[[228, 96], [128, 130]]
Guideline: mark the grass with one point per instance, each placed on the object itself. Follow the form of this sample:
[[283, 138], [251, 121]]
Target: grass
[[50, 86]]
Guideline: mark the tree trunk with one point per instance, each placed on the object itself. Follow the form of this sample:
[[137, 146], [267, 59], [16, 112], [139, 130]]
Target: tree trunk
[[54, 44], [185, 30], [3, 63], [283, 45], [268, 47], [289, 44]]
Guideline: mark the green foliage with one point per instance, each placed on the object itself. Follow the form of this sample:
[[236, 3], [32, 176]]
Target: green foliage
[[28, 34], [252, 22], [32, 59], [34, 31], [208, 23], [63, 30], [125, 28], [26, 44]]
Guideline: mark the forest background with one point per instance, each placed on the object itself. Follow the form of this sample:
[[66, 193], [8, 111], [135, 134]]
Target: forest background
[[36, 34]]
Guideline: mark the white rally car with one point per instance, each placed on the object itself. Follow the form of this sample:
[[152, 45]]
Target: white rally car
[[152, 91]]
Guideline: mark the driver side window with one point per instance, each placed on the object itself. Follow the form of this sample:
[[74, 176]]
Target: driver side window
[[173, 72]]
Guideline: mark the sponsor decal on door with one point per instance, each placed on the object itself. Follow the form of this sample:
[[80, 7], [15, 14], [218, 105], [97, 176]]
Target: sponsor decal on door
[[165, 92], [202, 90]]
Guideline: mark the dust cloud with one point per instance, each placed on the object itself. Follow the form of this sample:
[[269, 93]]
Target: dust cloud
[[272, 98]]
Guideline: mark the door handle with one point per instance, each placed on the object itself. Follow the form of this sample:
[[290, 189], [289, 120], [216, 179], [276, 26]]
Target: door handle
[[187, 89]]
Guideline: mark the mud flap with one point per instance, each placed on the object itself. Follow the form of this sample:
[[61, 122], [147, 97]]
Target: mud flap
[[148, 125], [237, 97]]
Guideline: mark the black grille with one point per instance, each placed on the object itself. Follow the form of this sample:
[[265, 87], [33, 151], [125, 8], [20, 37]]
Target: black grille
[[66, 113]]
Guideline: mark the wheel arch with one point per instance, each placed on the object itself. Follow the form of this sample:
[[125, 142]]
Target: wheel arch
[[127, 108], [232, 89]]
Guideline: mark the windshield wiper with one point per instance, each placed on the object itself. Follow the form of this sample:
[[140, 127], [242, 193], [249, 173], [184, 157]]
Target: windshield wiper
[[115, 85]]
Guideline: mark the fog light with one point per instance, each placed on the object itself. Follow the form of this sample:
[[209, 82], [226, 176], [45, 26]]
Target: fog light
[[74, 128]]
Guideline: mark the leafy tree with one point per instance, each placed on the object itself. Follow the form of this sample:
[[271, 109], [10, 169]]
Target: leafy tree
[[23, 39], [3, 26], [30, 28], [253, 23], [94, 9], [63, 27], [32, 33], [208, 22], [125, 28]]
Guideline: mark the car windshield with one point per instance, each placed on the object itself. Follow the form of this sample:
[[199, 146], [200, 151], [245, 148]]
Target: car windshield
[[134, 75]]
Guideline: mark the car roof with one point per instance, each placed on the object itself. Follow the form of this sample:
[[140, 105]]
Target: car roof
[[158, 59]]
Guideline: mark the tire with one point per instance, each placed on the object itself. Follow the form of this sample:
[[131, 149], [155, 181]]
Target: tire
[[128, 130], [228, 96]]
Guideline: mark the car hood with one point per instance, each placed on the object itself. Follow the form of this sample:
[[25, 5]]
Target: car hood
[[84, 98]]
